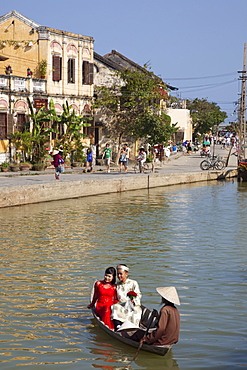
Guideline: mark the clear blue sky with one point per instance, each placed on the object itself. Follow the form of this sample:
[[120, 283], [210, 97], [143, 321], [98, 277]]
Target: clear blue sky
[[182, 40]]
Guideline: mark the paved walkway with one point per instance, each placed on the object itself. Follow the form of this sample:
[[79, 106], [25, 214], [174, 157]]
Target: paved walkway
[[177, 163]]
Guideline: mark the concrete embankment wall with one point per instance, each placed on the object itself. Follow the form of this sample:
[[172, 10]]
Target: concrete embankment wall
[[20, 195]]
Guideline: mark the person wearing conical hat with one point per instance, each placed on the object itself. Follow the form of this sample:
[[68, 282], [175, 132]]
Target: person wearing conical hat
[[57, 163], [168, 326]]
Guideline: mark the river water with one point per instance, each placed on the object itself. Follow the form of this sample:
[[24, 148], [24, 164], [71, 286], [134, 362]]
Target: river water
[[190, 236]]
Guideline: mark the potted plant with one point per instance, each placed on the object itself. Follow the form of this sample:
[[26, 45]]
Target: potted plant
[[14, 167], [42, 68], [38, 167], [4, 166], [25, 166], [8, 70]]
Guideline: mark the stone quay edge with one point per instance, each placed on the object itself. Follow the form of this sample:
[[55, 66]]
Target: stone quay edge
[[59, 190]]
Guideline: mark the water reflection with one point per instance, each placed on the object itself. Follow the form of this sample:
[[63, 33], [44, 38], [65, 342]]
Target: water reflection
[[110, 351], [193, 237]]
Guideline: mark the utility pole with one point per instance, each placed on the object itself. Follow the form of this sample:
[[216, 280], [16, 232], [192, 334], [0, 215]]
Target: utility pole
[[242, 110]]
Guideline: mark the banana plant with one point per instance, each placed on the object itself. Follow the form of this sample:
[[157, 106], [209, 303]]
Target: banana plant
[[71, 140]]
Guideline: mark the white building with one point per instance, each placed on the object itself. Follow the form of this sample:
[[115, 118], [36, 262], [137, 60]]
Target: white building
[[181, 116]]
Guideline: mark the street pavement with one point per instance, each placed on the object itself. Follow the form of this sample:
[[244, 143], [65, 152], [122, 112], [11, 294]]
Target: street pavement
[[178, 163]]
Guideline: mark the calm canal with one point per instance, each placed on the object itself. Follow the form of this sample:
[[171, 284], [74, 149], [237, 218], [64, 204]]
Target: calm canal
[[192, 237]]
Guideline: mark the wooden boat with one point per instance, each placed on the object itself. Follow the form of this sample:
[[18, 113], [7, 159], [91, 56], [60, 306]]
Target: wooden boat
[[242, 170], [159, 350]]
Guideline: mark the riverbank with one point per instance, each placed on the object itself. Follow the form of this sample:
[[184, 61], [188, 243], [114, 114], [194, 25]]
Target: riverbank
[[29, 188]]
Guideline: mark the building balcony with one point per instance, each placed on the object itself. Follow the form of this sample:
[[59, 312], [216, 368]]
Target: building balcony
[[10, 83]]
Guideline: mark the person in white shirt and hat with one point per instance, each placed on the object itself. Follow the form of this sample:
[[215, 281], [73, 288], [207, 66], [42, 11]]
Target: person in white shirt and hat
[[128, 307], [168, 326]]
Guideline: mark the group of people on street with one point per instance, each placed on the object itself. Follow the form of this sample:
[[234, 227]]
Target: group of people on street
[[118, 305], [58, 161]]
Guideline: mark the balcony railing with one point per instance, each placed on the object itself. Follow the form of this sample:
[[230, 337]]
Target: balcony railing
[[22, 84]]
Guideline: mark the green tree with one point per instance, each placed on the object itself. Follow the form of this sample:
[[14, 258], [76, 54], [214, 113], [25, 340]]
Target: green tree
[[33, 143], [22, 143], [156, 129], [205, 115], [40, 133], [131, 106], [71, 141]]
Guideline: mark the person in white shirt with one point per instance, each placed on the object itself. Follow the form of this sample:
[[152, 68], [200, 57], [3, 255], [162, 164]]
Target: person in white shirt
[[141, 159], [129, 297]]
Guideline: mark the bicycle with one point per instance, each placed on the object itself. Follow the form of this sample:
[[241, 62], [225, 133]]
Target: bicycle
[[205, 154], [214, 163], [145, 168]]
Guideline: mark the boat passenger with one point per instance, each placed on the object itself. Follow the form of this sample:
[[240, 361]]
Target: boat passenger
[[105, 295], [129, 296], [168, 326]]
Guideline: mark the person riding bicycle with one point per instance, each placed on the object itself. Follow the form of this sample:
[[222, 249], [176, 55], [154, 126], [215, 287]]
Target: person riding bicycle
[[141, 159]]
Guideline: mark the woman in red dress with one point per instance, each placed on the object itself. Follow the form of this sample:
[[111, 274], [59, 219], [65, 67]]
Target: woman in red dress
[[105, 295]]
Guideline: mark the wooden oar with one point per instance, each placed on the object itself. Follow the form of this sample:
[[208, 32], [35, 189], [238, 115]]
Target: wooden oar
[[146, 332]]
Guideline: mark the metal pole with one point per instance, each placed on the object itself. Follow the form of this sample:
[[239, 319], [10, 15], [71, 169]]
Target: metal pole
[[242, 110]]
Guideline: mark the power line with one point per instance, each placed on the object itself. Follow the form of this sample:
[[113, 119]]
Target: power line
[[199, 78], [207, 87]]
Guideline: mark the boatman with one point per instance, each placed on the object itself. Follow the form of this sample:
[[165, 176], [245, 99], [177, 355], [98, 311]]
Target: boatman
[[168, 326]]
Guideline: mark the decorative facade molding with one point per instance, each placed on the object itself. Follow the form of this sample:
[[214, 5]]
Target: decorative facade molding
[[75, 107], [58, 107], [85, 53], [21, 105], [19, 16], [44, 34], [56, 46], [72, 49], [3, 103]]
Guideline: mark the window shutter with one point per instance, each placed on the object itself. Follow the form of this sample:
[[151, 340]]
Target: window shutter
[[91, 68], [3, 125], [56, 68], [9, 123], [85, 72], [71, 71], [20, 122]]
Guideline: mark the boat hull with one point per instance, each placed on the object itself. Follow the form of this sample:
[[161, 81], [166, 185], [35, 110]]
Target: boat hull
[[159, 350]]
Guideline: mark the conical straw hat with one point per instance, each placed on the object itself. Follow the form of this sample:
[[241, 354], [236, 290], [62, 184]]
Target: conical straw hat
[[169, 293]]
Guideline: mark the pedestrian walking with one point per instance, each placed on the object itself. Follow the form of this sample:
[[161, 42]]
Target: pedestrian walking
[[89, 161], [141, 159], [107, 155], [122, 159], [188, 147], [57, 163], [127, 156]]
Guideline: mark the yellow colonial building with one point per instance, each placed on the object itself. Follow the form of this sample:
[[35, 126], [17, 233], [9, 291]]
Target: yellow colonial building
[[41, 63]]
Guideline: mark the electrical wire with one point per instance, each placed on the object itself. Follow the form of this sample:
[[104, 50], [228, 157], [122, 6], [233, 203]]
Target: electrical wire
[[206, 87], [199, 78]]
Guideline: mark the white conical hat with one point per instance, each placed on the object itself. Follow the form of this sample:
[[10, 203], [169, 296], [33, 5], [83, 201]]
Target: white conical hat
[[169, 293]]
